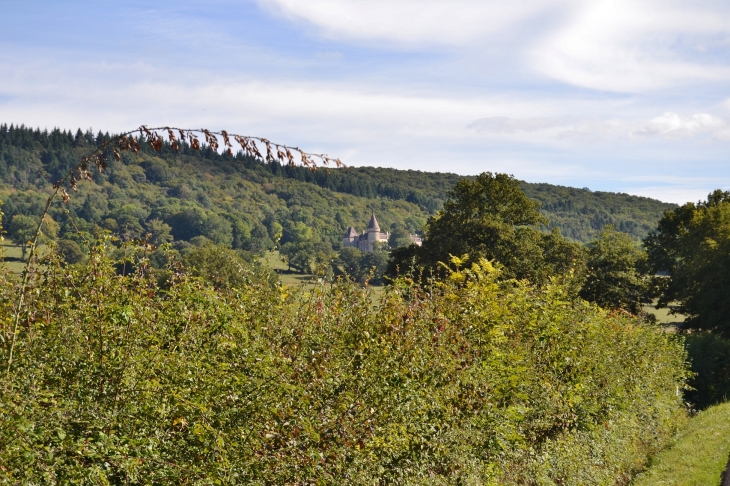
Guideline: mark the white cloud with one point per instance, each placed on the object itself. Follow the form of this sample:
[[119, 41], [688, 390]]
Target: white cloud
[[422, 22], [608, 45], [674, 125], [669, 125], [550, 127], [636, 45]]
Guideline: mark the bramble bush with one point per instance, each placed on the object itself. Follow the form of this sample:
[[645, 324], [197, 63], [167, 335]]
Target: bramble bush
[[473, 380]]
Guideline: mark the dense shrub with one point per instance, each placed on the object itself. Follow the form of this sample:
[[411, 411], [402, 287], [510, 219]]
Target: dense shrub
[[476, 381]]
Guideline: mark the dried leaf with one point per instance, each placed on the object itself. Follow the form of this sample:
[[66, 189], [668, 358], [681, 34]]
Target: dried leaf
[[226, 141], [255, 150]]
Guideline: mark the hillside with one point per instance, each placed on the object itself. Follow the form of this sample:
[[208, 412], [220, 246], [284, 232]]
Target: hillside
[[579, 213], [244, 203]]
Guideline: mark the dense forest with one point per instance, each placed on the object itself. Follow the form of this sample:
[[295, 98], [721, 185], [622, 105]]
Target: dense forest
[[246, 204]]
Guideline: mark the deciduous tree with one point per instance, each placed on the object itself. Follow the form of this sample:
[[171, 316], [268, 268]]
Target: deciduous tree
[[691, 246], [491, 217], [22, 229], [614, 279]]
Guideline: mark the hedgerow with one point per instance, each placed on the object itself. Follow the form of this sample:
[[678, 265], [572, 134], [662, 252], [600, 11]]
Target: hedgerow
[[474, 380]]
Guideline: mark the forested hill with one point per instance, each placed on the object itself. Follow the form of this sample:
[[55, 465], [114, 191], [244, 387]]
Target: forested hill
[[579, 213], [244, 203]]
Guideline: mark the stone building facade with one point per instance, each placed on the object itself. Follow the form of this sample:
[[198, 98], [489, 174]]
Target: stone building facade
[[366, 240]]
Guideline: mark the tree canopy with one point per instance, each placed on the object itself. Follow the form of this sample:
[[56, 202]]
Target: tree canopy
[[614, 272], [259, 201], [491, 217], [691, 249]]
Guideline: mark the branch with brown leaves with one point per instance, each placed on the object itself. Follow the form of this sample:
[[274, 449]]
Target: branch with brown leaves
[[155, 137]]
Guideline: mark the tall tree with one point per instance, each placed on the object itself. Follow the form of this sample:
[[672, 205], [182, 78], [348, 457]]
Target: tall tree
[[691, 246], [21, 230], [491, 217], [614, 279], [399, 236]]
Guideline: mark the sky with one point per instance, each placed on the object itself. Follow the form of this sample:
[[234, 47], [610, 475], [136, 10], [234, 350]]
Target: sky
[[614, 95]]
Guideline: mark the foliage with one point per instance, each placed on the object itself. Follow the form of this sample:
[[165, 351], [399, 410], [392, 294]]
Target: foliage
[[580, 214], [21, 230], [362, 266], [233, 200], [692, 247], [399, 236], [614, 279], [491, 217], [478, 381], [222, 267], [70, 251]]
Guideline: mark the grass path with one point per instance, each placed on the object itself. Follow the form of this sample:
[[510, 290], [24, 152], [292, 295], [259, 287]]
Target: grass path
[[699, 454]]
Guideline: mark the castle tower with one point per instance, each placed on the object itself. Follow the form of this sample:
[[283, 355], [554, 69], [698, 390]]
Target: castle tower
[[373, 232]]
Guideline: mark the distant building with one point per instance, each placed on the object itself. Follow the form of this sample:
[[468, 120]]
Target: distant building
[[366, 240]]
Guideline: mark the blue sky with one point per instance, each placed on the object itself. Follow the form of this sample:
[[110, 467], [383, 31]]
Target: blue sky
[[618, 95]]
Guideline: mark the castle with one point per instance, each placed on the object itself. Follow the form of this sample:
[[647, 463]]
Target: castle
[[364, 242]]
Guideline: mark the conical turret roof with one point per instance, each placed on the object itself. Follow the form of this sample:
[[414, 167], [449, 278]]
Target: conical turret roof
[[373, 226]]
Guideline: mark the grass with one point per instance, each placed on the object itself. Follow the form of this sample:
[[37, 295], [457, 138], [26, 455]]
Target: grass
[[699, 454], [287, 277], [663, 317], [13, 256]]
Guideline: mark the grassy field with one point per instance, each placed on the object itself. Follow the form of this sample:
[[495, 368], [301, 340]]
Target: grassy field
[[699, 454], [13, 256], [274, 261], [663, 317]]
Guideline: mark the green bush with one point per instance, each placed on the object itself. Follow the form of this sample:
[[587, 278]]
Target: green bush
[[473, 381]]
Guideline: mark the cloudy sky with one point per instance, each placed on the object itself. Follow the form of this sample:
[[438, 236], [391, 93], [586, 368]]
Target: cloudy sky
[[618, 95]]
